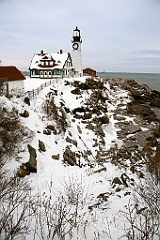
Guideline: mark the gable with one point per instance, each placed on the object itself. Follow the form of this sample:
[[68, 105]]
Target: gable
[[11, 73], [43, 60]]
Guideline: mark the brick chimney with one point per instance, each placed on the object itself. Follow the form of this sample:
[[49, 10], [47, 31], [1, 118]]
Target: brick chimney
[[42, 52], [60, 51]]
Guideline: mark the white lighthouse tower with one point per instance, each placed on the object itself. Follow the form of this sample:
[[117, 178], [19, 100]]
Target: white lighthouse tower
[[76, 52]]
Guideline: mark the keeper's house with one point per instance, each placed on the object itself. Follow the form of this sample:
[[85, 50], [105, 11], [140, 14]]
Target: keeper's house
[[51, 65]]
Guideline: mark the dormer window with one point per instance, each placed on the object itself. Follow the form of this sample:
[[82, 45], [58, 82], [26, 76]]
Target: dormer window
[[51, 63]]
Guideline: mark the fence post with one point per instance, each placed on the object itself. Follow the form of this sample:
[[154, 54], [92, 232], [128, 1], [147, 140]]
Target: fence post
[[7, 89]]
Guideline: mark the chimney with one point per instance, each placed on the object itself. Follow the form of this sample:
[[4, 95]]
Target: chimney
[[42, 52], [60, 51]]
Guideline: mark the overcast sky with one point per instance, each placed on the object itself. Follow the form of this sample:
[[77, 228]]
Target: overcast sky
[[118, 35]]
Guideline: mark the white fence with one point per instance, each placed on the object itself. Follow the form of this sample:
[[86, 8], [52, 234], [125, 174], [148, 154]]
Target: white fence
[[6, 90], [35, 92]]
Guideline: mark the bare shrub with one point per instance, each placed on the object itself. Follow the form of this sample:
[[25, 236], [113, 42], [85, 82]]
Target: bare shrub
[[62, 217], [11, 131], [55, 218], [17, 207], [74, 190], [43, 216], [55, 113], [143, 214]]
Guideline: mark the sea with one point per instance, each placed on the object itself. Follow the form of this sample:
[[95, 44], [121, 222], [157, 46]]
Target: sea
[[152, 80]]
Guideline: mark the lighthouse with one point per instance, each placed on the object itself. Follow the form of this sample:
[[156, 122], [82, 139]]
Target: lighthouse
[[76, 52]]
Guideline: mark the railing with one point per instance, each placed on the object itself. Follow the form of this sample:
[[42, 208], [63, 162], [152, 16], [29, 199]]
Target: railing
[[4, 88], [35, 92]]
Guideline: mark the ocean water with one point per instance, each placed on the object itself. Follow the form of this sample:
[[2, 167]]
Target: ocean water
[[152, 80]]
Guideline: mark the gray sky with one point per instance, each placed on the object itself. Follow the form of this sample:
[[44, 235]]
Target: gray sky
[[118, 35]]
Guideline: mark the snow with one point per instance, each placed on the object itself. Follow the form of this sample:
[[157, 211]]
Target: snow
[[60, 59], [33, 83], [109, 221]]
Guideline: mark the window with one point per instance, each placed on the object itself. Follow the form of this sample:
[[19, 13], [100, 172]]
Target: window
[[41, 74], [36, 72], [49, 74]]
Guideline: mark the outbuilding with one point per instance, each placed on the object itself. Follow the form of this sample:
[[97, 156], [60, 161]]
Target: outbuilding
[[10, 73], [90, 72]]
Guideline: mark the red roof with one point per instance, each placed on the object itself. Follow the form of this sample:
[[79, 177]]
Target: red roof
[[11, 73]]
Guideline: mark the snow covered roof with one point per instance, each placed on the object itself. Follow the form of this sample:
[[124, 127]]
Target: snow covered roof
[[57, 60]]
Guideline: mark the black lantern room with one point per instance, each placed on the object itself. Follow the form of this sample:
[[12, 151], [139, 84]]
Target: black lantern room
[[76, 35]]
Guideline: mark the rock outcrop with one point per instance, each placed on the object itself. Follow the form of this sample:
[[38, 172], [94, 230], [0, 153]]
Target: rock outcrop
[[41, 146], [31, 165], [69, 156], [24, 114]]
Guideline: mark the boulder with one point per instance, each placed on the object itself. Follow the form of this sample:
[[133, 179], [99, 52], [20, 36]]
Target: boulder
[[41, 146], [47, 132], [76, 91], [31, 165], [128, 143], [74, 142], [87, 115], [69, 156], [23, 171], [51, 127], [104, 119], [25, 114], [27, 100], [125, 179], [116, 181], [142, 110], [56, 157], [131, 129], [78, 109], [104, 196], [123, 153], [32, 159], [145, 138]]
